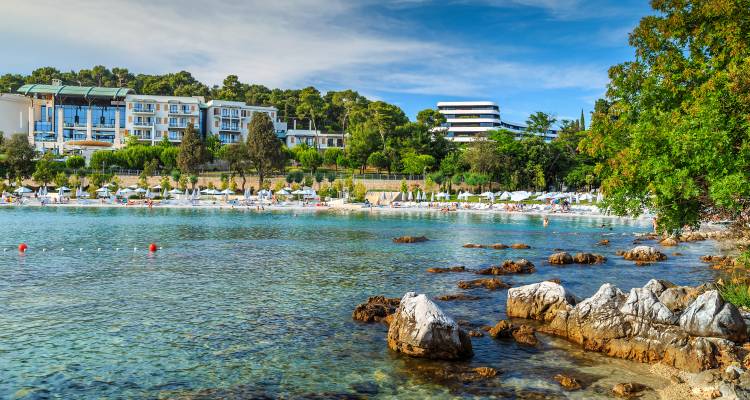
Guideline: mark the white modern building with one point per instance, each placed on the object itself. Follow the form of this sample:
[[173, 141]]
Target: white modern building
[[313, 138], [468, 120], [230, 120], [151, 118], [14, 114]]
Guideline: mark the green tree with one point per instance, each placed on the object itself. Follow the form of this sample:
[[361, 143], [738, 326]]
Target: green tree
[[75, 162], [582, 121], [61, 179], [311, 159], [430, 118], [263, 147], [193, 181], [378, 160], [191, 152], [672, 133], [45, 170], [332, 154], [236, 155], [19, 156], [539, 122]]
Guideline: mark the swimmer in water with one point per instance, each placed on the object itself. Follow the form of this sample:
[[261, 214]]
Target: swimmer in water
[[545, 221]]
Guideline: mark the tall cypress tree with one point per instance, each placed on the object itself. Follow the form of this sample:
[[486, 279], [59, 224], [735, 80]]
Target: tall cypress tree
[[583, 121], [263, 147], [191, 153]]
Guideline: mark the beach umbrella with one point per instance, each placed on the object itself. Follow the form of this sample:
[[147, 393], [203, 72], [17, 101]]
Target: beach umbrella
[[64, 189], [140, 190], [432, 197], [487, 194], [226, 192], [410, 198], [156, 188], [520, 195], [282, 192], [133, 187], [175, 191]]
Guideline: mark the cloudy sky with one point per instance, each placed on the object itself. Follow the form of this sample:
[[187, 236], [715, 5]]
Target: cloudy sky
[[527, 55]]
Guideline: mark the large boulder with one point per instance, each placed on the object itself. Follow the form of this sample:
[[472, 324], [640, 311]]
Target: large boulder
[[709, 315], [644, 254], [539, 301], [421, 329], [560, 258], [589, 258], [642, 303]]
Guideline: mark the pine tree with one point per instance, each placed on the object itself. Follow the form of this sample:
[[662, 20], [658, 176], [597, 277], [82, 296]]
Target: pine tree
[[191, 153], [583, 121], [263, 147]]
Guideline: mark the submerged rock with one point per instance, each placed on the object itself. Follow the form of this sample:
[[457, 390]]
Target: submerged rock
[[669, 242], [473, 246], [521, 266], [644, 254], [560, 258], [421, 329], [603, 242], [376, 309], [709, 315], [487, 283], [519, 246], [410, 239], [451, 374], [540, 301], [525, 335], [439, 270], [498, 246], [628, 390], [502, 329], [457, 296], [567, 382]]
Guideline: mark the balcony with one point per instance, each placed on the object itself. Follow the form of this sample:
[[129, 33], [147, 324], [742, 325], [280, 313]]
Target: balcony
[[175, 136], [41, 126], [143, 110], [42, 137], [233, 128], [76, 136], [229, 138], [180, 111], [143, 123], [178, 125]]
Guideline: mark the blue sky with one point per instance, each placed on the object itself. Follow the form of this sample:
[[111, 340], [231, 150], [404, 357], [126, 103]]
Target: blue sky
[[527, 55]]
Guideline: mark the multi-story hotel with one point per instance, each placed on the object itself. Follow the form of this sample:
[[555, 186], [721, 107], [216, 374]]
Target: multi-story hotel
[[230, 120], [468, 120], [151, 118], [75, 117], [62, 118]]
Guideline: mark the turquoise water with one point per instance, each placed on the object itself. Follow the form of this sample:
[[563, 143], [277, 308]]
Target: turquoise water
[[245, 304]]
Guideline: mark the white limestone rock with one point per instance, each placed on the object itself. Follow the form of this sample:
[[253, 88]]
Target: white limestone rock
[[421, 329], [710, 316], [642, 303], [539, 301]]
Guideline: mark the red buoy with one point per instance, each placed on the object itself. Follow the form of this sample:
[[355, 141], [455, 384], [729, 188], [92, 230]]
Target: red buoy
[[22, 248], [152, 247]]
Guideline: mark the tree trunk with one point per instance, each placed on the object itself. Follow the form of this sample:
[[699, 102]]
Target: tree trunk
[[244, 179]]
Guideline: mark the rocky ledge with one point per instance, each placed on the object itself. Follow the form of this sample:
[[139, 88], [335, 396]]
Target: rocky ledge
[[522, 266], [376, 309], [688, 328], [562, 258], [421, 329]]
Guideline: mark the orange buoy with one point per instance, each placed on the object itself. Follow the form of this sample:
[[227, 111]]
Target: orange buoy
[[152, 247], [22, 248]]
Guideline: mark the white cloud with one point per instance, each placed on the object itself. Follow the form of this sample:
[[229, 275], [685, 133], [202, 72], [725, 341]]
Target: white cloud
[[280, 44]]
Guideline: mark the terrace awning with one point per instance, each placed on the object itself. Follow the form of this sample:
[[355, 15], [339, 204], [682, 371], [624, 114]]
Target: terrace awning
[[87, 92]]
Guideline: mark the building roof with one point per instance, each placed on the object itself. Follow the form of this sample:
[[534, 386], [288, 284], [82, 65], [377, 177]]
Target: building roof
[[80, 91]]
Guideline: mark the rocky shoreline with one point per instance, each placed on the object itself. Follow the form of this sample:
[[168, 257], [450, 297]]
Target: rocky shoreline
[[689, 333]]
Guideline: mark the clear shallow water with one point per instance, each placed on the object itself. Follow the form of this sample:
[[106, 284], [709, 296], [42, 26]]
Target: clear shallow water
[[245, 304]]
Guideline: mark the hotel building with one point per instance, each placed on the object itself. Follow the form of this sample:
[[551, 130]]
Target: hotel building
[[230, 120], [74, 117], [468, 120], [151, 118]]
